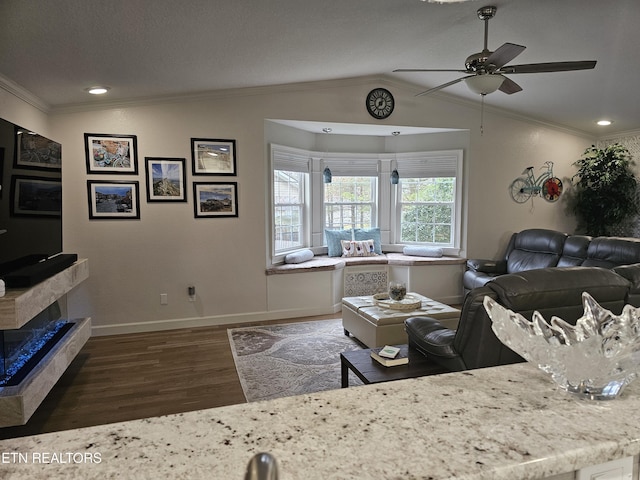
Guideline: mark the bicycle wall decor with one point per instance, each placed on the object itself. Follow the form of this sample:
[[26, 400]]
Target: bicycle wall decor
[[527, 185]]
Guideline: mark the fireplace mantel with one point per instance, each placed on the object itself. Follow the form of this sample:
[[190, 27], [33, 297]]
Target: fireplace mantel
[[19, 305]]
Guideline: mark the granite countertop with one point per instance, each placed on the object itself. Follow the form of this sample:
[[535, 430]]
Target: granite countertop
[[502, 423]]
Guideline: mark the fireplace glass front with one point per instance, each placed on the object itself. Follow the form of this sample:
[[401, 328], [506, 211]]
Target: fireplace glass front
[[21, 349]]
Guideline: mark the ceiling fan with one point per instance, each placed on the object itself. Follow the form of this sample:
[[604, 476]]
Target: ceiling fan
[[485, 70]]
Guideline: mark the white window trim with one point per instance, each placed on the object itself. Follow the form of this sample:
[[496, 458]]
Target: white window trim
[[381, 164]]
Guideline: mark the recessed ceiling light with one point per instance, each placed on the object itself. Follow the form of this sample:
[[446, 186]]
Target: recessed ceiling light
[[98, 90], [604, 123]]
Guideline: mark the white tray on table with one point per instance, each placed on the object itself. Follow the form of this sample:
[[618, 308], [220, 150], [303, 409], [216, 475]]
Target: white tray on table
[[408, 303]]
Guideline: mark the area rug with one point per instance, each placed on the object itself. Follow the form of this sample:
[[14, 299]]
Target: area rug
[[276, 361]]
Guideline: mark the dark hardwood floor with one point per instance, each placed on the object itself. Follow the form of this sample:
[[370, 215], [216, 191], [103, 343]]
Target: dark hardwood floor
[[126, 377]]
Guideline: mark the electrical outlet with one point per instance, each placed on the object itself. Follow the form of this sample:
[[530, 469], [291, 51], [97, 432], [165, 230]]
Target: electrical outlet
[[191, 291], [164, 299]]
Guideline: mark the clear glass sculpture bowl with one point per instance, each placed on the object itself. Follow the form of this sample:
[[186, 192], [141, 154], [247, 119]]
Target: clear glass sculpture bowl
[[594, 359]]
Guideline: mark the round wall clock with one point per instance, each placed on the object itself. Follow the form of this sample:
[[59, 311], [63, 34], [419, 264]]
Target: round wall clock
[[380, 103]]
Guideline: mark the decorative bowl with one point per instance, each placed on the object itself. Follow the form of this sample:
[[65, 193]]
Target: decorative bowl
[[594, 359]]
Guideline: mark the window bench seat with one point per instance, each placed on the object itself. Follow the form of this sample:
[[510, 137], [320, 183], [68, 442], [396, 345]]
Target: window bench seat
[[324, 263], [317, 286]]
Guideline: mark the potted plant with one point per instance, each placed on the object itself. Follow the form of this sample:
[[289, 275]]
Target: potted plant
[[605, 190]]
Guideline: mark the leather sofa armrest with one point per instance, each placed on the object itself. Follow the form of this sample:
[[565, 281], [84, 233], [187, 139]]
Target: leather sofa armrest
[[433, 340], [422, 327], [487, 266], [631, 273]]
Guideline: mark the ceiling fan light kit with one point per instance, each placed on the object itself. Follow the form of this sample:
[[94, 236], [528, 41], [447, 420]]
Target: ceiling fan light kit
[[485, 71], [484, 84]]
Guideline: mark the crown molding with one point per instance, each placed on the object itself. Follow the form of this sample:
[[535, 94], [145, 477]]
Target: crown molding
[[23, 94]]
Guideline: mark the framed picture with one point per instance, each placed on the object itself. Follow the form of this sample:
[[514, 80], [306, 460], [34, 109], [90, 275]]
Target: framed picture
[[111, 153], [213, 157], [37, 152], [215, 199], [35, 196], [113, 199], [166, 180]]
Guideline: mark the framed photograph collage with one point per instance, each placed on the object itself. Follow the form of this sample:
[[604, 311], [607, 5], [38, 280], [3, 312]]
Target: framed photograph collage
[[165, 177]]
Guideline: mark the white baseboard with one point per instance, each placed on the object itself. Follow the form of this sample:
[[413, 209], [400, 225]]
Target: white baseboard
[[175, 323]]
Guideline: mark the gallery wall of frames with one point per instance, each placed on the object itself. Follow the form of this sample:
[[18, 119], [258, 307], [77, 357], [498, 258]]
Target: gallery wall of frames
[[110, 158]]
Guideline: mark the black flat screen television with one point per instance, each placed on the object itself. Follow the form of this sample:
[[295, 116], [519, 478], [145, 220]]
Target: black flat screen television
[[30, 197]]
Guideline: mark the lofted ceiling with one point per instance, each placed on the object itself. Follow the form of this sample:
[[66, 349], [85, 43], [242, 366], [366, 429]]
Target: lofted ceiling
[[151, 48]]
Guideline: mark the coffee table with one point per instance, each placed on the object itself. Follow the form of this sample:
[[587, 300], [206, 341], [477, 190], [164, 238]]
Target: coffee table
[[376, 326], [370, 371]]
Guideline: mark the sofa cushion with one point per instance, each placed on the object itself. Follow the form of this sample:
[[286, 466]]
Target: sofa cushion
[[574, 251], [361, 248], [422, 251], [610, 252], [369, 233], [299, 257], [334, 248], [535, 248]]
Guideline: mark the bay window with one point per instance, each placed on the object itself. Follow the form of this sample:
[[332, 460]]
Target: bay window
[[424, 208]]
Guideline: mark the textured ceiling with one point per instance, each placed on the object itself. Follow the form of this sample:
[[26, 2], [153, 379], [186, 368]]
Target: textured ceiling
[[148, 48]]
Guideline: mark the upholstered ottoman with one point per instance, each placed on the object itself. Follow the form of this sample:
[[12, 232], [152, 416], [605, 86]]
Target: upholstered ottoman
[[376, 326]]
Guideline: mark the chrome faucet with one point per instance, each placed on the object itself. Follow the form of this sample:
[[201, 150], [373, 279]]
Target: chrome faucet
[[262, 466]]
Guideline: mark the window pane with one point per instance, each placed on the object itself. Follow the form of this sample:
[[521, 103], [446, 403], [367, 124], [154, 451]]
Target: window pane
[[349, 202], [288, 219], [427, 210]]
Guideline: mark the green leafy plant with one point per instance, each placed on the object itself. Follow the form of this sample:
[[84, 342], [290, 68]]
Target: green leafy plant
[[605, 189]]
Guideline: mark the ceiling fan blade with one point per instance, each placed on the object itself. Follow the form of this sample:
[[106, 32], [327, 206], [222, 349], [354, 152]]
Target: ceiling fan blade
[[509, 86], [444, 85], [504, 54], [549, 67], [428, 70]]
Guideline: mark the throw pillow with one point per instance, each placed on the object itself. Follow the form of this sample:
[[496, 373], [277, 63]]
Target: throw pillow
[[353, 248], [299, 256], [422, 251], [333, 241], [369, 233]]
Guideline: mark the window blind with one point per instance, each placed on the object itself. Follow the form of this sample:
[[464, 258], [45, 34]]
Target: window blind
[[352, 167], [290, 159], [428, 164]]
